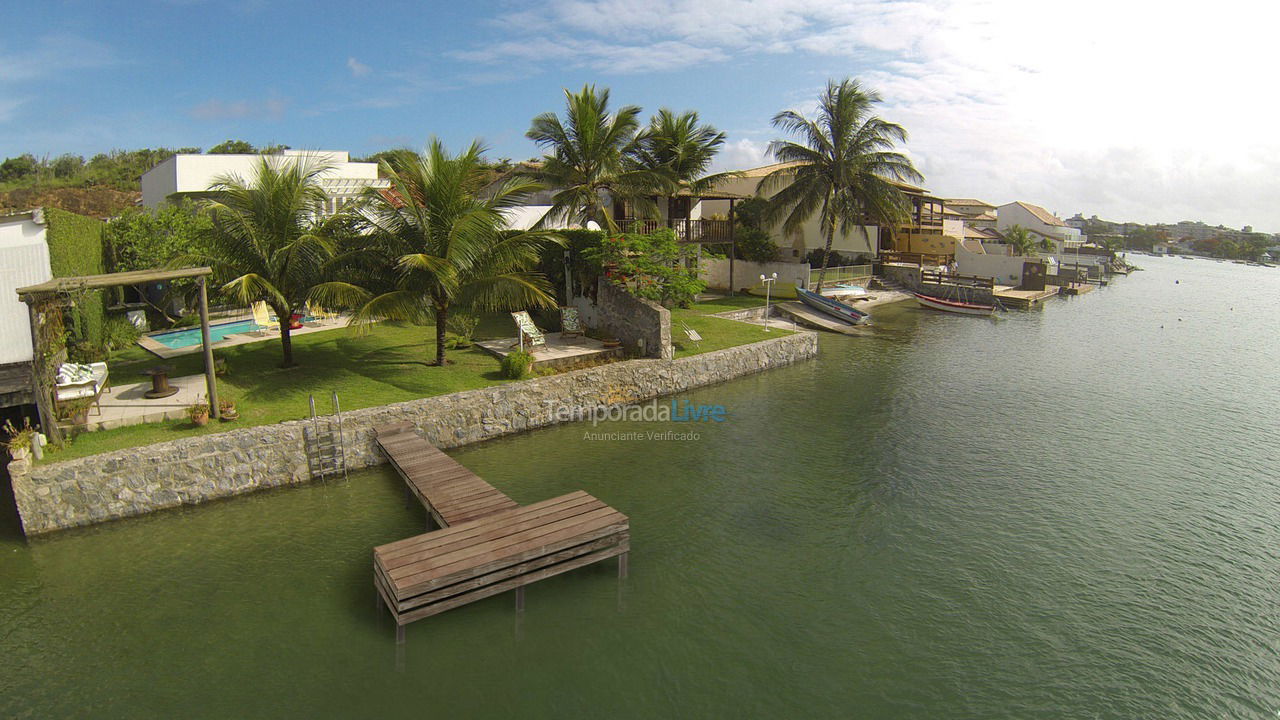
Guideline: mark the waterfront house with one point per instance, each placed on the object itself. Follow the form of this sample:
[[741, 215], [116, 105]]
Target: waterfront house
[[24, 260], [1041, 223], [190, 176]]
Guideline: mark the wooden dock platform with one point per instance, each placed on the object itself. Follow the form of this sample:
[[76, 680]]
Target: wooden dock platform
[[437, 571], [451, 493], [486, 544], [1012, 297]]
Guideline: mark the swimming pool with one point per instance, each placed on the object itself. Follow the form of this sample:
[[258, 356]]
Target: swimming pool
[[190, 337]]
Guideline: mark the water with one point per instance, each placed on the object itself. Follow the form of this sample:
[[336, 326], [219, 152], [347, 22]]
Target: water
[[1065, 514], [191, 336]]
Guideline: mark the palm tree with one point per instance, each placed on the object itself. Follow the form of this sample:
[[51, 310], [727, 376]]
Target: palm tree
[[680, 148], [588, 155], [265, 241], [842, 169], [1020, 239], [442, 237]]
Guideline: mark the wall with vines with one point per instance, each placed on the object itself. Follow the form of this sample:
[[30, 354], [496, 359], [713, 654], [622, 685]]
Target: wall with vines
[[76, 248]]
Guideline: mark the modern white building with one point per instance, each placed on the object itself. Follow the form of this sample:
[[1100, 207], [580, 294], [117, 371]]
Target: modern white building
[[24, 260], [192, 175]]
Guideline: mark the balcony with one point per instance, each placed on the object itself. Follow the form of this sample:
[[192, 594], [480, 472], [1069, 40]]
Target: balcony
[[706, 232]]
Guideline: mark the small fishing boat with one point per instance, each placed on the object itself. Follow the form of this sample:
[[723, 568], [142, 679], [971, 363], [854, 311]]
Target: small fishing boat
[[832, 307], [954, 306]]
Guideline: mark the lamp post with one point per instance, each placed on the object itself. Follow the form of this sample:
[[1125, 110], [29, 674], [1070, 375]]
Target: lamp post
[[768, 287]]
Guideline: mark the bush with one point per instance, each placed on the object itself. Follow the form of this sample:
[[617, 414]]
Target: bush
[[119, 333], [516, 365], [755, 245], [654, 267]]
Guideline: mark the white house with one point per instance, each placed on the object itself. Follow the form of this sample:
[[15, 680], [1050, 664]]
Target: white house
[[191, 175], [24, 260], [1039, 222], [972, 258]]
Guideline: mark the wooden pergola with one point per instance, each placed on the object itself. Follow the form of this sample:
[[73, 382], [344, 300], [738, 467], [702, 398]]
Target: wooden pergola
[[61, 287]]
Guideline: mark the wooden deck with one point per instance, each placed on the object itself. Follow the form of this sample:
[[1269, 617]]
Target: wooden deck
[[487, 543], [451, 493], [1015, 298]]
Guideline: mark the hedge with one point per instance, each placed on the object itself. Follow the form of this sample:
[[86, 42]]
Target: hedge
[[75, 248]]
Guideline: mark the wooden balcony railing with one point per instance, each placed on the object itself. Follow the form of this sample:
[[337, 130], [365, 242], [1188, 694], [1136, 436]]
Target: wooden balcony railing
[[687, 230], [950, 280], [910, 258]]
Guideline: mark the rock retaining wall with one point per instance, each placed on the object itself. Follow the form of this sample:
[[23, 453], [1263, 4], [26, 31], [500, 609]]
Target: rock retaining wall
[[198, 469]]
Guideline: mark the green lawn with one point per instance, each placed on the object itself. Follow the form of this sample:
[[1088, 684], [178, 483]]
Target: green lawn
[[717, 333], [387, 365]]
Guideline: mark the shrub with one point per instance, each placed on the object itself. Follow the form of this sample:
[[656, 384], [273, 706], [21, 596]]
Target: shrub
[[654, 267], [516, 365], [462, 328], [755, 245], [119, 333]]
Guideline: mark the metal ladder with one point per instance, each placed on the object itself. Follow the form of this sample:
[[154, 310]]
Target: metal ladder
[[326, 448]]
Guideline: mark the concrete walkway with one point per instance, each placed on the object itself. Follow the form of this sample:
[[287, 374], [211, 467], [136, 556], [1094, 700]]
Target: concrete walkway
[[125, 404]]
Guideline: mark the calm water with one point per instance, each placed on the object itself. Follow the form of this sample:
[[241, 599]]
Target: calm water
[[191, 336], [1065, 514]]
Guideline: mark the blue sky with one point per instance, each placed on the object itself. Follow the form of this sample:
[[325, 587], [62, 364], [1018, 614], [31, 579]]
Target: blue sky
[[1090, 106]]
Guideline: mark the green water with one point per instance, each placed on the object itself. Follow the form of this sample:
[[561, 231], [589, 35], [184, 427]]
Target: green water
[[1066, 514]]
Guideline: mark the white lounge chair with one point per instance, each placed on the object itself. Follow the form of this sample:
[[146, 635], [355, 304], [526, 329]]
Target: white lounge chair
[[262, 317], [77, 382], [570, 323]]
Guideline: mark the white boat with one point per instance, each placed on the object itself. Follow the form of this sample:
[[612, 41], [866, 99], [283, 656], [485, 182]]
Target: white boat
[[954, 306]]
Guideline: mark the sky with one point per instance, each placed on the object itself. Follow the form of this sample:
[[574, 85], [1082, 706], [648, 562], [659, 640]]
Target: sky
[[1146, 112]]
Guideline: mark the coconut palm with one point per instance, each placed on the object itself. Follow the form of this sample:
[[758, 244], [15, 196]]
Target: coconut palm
[[588, 156], [266, 242], [842, 168], [1020, 239], [677, 146], [441, 234]]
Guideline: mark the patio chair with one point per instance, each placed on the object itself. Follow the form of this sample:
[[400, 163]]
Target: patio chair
[[319, 313], [262, 317], [693, 335], [529, 334], [75, 382], [570, 323]]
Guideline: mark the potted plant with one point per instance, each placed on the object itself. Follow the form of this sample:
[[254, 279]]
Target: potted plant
[[227, 409], [198, 412], [20, 440], [75, 411]]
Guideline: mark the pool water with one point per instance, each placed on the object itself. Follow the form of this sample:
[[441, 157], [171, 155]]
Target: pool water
[[190, 337]]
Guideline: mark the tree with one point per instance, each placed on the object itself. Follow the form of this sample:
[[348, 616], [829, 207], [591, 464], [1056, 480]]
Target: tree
[[264, 242], [142, 239], [842, 169], [16, 168], [232, 147], [68, 165], [1021, 240], [679, 148], [589, 154], [441, 234]]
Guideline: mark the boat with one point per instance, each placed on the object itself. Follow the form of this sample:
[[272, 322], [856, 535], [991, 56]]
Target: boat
[[954, 306], [832, 307]]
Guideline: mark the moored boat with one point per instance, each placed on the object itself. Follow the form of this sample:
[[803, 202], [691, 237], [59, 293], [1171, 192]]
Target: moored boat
[[832, 307], [954, 306]]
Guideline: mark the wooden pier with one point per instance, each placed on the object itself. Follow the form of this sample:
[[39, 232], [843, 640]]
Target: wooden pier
[[1015, 298], [487, 543]]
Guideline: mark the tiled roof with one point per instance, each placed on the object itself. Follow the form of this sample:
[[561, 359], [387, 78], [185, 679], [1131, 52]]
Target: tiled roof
[[969, 201], [763, 170], [1041, 214]]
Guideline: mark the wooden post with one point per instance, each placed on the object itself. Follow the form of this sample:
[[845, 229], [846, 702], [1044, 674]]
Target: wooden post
[[44, 406], [210, 379], [399, 633], [733, 245], [520, 599], [622, 565]]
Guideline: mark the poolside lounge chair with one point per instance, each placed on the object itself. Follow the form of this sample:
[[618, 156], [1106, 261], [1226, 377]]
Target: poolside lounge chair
[[693, 335], [319, 313], [570, 323], [529, 334], [76, 382], [262, 317]]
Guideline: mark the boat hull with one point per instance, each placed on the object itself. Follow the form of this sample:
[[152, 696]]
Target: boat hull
[[832, 307], [954, 306]]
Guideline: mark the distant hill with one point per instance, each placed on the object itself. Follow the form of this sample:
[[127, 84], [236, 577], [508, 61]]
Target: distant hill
[[98, 202]]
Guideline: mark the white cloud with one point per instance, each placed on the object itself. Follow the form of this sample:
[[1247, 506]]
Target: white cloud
[[50, 55], [357, 68], [1128, 110]]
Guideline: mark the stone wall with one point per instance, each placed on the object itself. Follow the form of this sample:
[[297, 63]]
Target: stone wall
[[643, 326], [198, 469]]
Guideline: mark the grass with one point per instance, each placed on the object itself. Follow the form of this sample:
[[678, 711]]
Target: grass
[[390, 364], [717, 333]]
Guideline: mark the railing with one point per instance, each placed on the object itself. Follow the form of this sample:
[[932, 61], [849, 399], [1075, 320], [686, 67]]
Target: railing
[[917, 259], [968, 281], [843, 273], [687, 230]]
